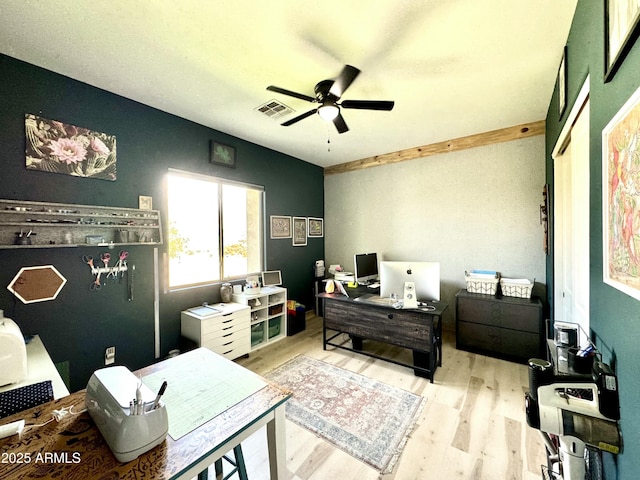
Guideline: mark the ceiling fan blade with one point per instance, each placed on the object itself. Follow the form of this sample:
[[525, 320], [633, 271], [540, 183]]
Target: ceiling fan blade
[[340, 124], [299, 117], [368, 104], [284, 91], [346, 78]]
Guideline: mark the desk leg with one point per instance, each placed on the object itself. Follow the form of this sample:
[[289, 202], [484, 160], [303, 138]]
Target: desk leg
[[424, 360], [439, 341], [356, 342], [277, 443], [324, 335]]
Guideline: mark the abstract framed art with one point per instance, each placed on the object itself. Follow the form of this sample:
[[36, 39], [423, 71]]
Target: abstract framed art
[[620, 205]]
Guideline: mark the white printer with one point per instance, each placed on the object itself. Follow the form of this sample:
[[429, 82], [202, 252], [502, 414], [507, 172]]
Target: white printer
[[13, 352], [128, 430]]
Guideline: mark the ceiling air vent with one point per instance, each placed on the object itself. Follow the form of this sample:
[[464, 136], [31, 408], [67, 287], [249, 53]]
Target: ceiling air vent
[[274, 109]]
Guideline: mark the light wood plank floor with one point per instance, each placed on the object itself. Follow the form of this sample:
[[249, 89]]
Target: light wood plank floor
[[472, 427]]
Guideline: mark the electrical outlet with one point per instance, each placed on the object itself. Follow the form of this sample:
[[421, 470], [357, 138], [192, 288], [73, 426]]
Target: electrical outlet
[[110, 355]]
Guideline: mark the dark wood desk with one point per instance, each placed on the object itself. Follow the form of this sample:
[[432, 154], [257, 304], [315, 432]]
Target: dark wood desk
[[74, 449], [417, 329]]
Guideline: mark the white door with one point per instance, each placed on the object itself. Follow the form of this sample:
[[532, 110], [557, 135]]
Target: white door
[[563, 237], [571, 226]]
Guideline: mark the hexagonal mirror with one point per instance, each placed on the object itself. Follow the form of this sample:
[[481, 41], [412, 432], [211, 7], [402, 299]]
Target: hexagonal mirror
[[37, 284]]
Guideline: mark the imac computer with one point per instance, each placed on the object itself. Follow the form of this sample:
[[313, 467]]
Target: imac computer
[[366, 267], [425, 276]]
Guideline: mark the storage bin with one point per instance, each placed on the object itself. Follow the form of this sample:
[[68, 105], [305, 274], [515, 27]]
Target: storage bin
[[296, 318], [274, 327], [275, 309], [516, 287], [486, 286], [257, 334]]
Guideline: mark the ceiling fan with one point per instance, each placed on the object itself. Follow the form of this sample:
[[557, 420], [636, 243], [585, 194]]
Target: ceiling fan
[[328, 93]]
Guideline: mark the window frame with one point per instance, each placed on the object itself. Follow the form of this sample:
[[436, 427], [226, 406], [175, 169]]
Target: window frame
[[220, 181]]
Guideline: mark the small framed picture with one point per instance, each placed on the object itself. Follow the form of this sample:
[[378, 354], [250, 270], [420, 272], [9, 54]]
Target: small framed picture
[[223, 154], [280, 226], [299, 231], [562, 83], [622, 19], [316, 227], [145, 203]]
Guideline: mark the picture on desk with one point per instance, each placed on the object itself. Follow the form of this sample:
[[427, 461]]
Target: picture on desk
[[335, 286]]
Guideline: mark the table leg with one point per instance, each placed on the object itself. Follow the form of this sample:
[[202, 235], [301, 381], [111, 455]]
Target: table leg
[[276, 442]]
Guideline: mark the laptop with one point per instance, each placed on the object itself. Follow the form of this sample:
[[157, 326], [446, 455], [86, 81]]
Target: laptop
[[270, 280]]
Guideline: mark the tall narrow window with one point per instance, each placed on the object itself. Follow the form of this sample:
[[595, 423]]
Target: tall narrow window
[[215, 229]]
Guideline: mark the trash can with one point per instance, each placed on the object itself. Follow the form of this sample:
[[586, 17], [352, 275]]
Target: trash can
[[296, 317]]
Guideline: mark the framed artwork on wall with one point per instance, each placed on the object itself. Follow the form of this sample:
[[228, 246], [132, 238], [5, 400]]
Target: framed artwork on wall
[[280, 226], [145, 202], [299, 231], [316, 227], [223, 154], [562, 83], [544, 218], [56, 147], [620, 206], [622, 18]]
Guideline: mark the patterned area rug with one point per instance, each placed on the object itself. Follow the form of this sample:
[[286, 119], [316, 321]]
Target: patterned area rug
[[367, 419]]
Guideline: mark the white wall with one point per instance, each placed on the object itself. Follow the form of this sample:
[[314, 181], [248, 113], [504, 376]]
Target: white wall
[[476, 208]]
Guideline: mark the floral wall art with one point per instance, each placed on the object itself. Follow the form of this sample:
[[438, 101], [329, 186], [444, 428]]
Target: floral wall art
[[56, 147], [621, 198]]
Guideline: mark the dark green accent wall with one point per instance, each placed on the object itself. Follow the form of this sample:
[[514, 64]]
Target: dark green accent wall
[[78, 326], [615, 317]]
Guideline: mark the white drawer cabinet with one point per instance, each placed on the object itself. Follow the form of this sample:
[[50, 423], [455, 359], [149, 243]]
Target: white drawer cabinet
[[268, 314], [222, 328]]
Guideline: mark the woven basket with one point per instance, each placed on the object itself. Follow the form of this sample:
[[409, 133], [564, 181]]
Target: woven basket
[[486, 286], [516, 289]]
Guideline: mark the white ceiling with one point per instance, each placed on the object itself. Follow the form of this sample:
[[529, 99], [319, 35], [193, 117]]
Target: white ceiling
[[453, 67]]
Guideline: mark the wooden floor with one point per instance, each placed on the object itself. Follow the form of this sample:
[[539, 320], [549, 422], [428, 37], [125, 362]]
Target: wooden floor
[[472, 426]]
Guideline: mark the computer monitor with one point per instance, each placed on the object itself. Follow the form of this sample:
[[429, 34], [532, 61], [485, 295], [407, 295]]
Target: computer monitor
[[271, 278], [425, 276], [366, 267]]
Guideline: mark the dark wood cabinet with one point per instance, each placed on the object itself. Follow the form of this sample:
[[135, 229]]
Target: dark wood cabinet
[[507, 327]]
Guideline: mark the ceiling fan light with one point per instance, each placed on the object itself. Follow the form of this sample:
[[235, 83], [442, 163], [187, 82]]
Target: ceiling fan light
[[328, 111]]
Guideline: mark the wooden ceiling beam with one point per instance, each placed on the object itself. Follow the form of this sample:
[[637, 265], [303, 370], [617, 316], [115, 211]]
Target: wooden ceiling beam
[[508, 134]]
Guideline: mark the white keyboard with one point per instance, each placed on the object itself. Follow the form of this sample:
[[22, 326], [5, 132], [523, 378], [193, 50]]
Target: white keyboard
[[373, 285]]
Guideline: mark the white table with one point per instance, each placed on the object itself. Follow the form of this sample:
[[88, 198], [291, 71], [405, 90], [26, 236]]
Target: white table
[[40, 367]]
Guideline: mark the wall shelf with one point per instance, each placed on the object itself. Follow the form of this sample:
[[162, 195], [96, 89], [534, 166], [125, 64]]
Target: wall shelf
[[54, 225]]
